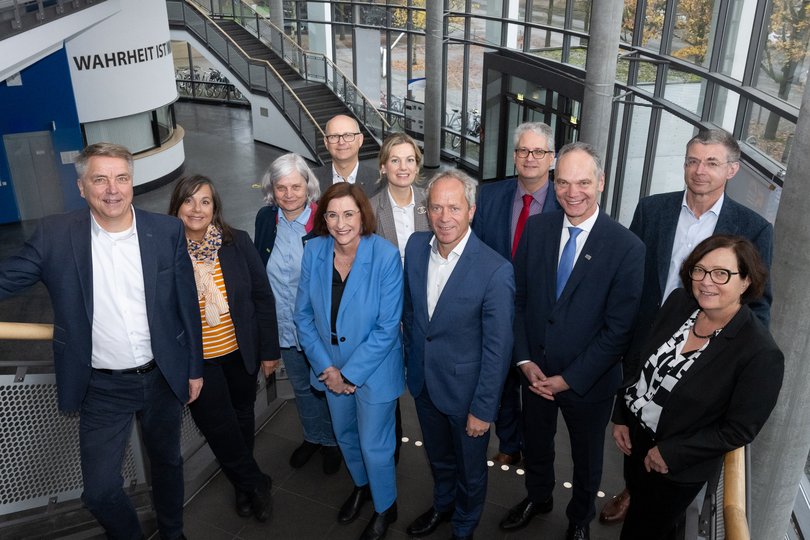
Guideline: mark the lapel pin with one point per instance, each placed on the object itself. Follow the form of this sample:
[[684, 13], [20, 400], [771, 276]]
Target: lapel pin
[[587, 257]]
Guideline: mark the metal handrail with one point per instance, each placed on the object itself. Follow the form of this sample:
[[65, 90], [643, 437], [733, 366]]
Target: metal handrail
[[341, 85], [310, 55], [734, 515], [264, 64]]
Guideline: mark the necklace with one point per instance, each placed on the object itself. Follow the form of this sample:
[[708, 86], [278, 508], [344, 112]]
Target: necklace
[[710, 336]]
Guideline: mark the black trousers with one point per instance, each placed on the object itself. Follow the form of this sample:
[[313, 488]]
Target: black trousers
[[224, 414], [657, 504]]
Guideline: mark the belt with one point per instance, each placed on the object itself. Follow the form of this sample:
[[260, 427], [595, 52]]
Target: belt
[[140, 370]]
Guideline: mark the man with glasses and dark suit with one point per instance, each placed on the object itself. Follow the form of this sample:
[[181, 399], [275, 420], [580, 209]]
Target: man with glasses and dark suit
[[343, 140]]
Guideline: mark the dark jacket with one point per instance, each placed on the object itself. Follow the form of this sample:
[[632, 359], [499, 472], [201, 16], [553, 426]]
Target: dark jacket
[[722, 401]]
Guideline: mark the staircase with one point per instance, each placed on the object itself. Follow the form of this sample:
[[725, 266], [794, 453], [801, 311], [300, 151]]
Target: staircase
[[319, 100]]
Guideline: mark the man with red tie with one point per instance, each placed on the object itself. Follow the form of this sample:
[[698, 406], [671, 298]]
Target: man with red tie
[[502, 210]]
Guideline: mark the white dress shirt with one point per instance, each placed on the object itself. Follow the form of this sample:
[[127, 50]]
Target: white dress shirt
[[439, 269], [585, 227], [121, 338], [403, 222], [690, 232], [336, 178]]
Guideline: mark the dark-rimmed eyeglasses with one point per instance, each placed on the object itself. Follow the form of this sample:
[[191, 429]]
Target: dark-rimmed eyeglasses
[[538, 153], [720, 276], [348, 137], [711, 164]]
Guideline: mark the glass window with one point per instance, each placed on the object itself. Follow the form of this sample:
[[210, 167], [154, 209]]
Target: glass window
[[134, 132], [737, 35], [685, 89], [634, 163], [693, 31], [549, 12], [784, 65], [724, 109], [667, 168], [628, 21], [769, 134], [581, 15], [653, 24]]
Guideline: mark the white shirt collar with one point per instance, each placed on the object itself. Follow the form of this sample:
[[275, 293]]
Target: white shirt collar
[[586, 225], [97, 229], [457, 251]]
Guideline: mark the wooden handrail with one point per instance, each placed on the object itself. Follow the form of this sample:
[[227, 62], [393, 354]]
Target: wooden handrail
[[734, 517], [27, 331]]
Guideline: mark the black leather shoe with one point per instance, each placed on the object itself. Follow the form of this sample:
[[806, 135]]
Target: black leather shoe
[[261, 501], [351, 508], [331, 459], [243, 507], [577, 532], [303, 453], [378, 526], [427, 522], [520, 515]]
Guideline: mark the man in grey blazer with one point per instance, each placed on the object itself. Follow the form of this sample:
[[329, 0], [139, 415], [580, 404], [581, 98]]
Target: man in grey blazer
[[343, 140], [672, 224]]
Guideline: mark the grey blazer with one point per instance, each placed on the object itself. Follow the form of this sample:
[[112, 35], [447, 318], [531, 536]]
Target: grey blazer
[[366, 178], [386, 227]]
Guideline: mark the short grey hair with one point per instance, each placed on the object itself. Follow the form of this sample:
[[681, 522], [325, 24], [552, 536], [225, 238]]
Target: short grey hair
[[588, 149], [103, 149], [538, 128], [470, 183], [718, 136], [284, 166]]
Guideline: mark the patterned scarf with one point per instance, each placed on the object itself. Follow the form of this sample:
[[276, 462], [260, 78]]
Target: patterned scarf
[[204, 256]]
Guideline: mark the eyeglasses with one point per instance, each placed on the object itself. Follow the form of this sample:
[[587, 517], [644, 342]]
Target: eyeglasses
[[348, 215], [348, 137], [711, 164], [720, 276], [538, 153]]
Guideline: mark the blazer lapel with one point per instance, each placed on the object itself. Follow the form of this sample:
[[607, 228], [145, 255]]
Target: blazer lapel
[[718, 344], [668, 223], [418, 281], [590, 252], [83, 255], [457, 280], [550, 256], [146, 244], [385, 215], [358, 277]]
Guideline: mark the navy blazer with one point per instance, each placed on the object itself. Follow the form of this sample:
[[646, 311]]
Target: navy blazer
[[367, 178], [655, 221], [368, 320], [492, 222], [583, 334], [462, 353], [253, 309], [59, 255], [722, 401]]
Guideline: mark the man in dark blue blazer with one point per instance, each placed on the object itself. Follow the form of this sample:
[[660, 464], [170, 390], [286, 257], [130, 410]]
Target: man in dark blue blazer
[[500, 215], [457, 322], [126, 337], [578, 277], [671, 224], [343, 140]]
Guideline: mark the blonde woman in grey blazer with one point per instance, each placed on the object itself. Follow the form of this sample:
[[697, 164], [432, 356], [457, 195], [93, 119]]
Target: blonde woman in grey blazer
[[401, 208]]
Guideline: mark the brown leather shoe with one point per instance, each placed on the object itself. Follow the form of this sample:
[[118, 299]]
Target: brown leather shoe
[[615, 509], [507, 459]]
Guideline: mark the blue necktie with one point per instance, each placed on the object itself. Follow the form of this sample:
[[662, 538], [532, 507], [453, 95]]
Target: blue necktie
[[567, 259]]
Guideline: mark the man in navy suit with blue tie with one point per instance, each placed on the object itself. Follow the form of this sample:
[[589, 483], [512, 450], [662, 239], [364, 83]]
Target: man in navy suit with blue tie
[[457, 322], [126, 337], [502, 209], [578, 279]]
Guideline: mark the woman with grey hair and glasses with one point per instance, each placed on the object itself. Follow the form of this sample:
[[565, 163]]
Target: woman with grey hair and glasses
[[282, 227]]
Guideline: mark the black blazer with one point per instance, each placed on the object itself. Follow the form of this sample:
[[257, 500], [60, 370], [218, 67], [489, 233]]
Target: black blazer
[[253, 308], [722, 401]]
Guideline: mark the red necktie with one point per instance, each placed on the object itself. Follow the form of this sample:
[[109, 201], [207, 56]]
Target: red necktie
[[524, 215]]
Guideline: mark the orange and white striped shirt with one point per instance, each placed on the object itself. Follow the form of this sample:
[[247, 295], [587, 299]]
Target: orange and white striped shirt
[[218, 340]]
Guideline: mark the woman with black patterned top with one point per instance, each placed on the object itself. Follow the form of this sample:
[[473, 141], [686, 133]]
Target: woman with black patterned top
[[705, 384]]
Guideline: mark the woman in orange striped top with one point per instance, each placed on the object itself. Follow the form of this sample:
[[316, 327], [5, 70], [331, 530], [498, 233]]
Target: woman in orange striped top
[[239, 333]]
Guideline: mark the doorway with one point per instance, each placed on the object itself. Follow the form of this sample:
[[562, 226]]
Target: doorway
[[34, 174]]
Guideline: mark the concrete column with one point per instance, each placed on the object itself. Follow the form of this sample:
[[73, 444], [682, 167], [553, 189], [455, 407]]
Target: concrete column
[[434, 81], [600, 72], [277, 13], [780, 451]]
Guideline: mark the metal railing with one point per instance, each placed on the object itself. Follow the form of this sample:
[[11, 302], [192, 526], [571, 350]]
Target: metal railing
[[311, 66], [20, 15], [257, 74]]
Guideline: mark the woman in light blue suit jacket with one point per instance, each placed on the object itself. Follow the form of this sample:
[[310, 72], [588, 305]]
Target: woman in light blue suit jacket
[[348, 313]]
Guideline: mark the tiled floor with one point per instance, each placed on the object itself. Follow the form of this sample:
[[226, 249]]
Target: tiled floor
[[218, 144]]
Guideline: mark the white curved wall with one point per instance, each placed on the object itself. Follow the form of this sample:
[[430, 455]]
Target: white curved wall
[[123, 65]]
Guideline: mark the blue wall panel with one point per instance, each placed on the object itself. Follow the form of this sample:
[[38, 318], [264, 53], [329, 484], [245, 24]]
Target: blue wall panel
[[44, 100]]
